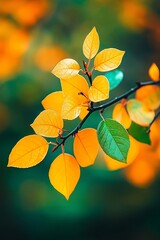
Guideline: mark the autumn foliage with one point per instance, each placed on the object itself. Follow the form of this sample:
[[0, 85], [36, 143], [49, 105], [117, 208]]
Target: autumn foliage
[[128, 140]]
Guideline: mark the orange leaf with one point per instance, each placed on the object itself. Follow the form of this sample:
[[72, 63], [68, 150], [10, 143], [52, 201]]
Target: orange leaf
[[48, 124], [99, 90], [77, 85], [66, 68], [91, 44], [86, 147], [84, 112], [108, 59], [113, 164], [154, 72], [154, 133], [120, 114], [64, 174], [139, 113], [72, 106], [28, 152], [54, 101], [150, 96]]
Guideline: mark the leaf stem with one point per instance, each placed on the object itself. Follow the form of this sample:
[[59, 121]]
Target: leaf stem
[[89, 74]]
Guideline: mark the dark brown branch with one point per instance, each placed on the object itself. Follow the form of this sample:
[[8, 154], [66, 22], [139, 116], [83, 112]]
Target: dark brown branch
[[125, 95], [89, 74], [154, 119], [103, 106], [73, 132]]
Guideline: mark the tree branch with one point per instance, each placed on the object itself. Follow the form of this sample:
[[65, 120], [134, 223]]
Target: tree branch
[[154, 119], [125, 95], [103, 106]]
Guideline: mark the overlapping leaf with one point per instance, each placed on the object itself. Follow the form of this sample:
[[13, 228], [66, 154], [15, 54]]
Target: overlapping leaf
[[86, 147], [132, 154], [66, 68], [76, 85], [120, 114], [154, 72], [99, 90], [150, 96], [28, 152], [140, 133], [48, 123], [114, 77], [64, 174], [91, 44], [113, 139], [71, 107], [54, 101], [108, 59], [84, 112], [139, 113], [76, 100]]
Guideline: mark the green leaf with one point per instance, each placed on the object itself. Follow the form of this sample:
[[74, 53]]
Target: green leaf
[[139, 133], [114, 77], [113, 139]]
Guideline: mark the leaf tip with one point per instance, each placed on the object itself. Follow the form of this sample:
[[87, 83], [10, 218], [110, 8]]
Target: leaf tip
[[123, 52], [67, 197]]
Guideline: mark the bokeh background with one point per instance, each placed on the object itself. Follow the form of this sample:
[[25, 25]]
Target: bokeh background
[[34, 36]]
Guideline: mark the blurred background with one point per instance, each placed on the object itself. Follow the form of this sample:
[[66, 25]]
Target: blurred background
[[34, 36]]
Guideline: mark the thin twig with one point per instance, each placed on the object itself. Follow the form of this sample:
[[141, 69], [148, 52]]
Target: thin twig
[[154, 119], [125, 95], [103, 106]]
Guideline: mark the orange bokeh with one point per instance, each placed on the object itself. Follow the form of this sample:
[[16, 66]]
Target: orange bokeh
[[13, 44], [133, 14], [147, 164], [47, 57], [26, 12]]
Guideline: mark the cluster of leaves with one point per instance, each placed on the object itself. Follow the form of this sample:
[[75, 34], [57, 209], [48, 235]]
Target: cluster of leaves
[[80, 93]]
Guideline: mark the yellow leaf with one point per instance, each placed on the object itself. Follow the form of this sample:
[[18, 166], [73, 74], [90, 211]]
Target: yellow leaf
[[113, 164], [108, 59], [139, 113], [120, 114], [66, 68], [86, 147], [84, 112], [48, 124], [77, 85], [54, 101], [64, 174], [28, 152], [99, 90], [150, 96], [72, 106], [154, 72], [91, 44]]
